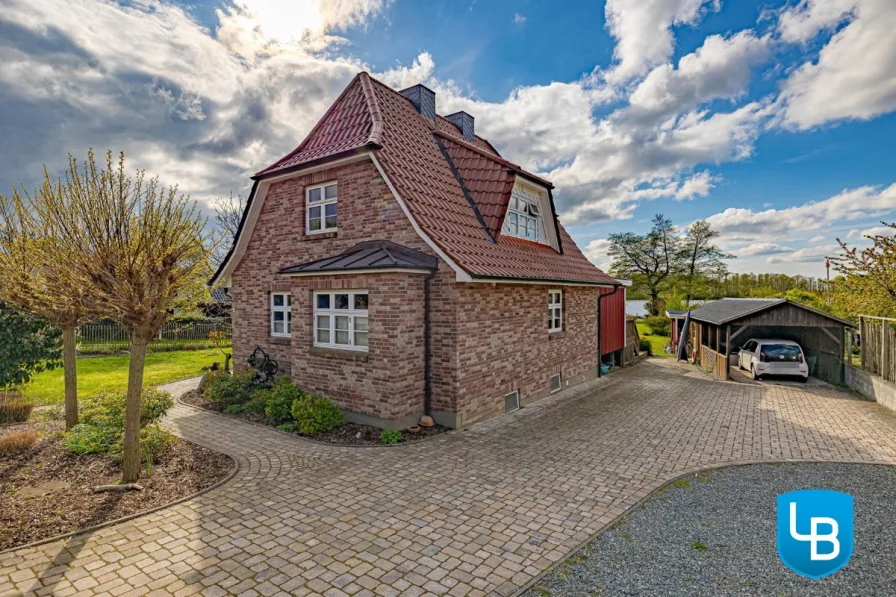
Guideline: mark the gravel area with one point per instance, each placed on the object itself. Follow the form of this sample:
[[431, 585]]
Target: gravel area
[[714, 534]]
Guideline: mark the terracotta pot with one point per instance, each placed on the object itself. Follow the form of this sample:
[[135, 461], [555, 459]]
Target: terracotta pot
[[414, 429], [426, 421]]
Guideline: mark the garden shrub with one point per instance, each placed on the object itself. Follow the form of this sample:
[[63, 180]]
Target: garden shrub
[[389, 437], [658, 324], [91, 439], [14, 408], [287, 427], [315, 414], [644, 346], [17, 441], [257, 403], [101, 426], [234, 409], [279, 400], [155, 438], [226, 389]]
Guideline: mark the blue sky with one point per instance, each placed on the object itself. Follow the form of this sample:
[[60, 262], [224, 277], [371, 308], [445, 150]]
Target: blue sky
[[773, 120]]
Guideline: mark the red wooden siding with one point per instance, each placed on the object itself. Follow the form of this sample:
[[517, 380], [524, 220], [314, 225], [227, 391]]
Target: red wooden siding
[[612, 321]]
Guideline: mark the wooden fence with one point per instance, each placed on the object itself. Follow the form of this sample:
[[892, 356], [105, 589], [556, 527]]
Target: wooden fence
[[878, 346], [714, 362], [108, 338]]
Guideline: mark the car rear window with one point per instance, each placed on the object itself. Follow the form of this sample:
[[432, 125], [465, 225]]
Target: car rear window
[[781, 352]]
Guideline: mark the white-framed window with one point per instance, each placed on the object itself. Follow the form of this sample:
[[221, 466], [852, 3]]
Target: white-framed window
[[321, 208], [340, 319], [555, 310], [281, 314], [556, 383], [524, 219]]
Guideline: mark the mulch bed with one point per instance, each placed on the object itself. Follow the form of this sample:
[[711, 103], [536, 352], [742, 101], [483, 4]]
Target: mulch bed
[[345, 434], [177, 472]]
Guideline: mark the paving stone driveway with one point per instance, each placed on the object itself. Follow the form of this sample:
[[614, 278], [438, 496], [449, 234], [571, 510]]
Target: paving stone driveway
[[474, 512]]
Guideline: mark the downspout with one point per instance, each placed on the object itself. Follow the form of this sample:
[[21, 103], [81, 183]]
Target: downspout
[[427, 346], [600, 297]]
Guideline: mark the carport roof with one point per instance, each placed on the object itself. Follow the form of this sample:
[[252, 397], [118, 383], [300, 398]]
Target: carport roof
[[729, 310]]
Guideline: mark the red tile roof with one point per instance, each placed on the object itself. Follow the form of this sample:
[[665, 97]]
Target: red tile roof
[[407, 144]]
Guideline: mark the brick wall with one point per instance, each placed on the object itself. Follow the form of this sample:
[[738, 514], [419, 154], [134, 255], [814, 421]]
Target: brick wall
[[504, 344], [367, 211]]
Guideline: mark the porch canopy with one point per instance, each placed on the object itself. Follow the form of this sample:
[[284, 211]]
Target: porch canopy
[[376, 256], [720, 327]]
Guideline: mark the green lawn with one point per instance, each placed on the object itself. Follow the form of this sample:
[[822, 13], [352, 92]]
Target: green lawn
[[656, 342], [103, 374]]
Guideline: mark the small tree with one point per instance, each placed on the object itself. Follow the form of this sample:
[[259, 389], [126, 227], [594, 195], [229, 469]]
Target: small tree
[[35, 277], [228, 214], [28, 345], [141, 246], [869, 276]]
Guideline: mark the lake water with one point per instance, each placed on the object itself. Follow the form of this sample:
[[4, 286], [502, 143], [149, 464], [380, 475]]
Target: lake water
[[635, 308]]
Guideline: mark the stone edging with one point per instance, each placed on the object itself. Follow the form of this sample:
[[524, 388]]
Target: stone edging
[[606, 527], [301, 438], [108, 523]]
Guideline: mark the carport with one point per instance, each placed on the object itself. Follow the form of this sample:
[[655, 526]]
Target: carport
[[721, 327]]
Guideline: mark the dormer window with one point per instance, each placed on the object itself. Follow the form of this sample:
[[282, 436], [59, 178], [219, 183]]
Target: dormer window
[[524, 219]]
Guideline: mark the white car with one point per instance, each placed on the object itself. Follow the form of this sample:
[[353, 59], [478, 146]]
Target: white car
[[773, 357]]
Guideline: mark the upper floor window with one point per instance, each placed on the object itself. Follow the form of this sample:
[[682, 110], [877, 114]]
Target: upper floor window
[[524, 218], [320, 208], [340, 319], [281, 314], [555, 310]]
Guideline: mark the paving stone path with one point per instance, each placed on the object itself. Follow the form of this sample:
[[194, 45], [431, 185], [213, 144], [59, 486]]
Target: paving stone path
[[469, 513]]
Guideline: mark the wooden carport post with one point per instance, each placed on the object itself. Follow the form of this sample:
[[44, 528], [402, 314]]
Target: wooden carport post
[[728, 351]]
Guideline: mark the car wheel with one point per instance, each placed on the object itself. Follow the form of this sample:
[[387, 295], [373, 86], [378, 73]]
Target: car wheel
[[803, 379], [753, 371]]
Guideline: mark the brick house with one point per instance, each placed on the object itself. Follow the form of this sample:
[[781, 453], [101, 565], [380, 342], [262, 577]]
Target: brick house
[[395, 262]]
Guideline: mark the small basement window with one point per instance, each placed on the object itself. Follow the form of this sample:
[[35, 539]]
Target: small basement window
[[512, 402], [556, 384], [340, 319], [320, 211], [281, 314]]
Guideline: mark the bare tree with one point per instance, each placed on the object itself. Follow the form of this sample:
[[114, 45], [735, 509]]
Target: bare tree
[[35, 276], [139, 245], [228, 214]]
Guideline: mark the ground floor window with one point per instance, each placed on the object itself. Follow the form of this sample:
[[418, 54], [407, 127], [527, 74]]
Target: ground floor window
[[555, 310], [281, 315], [340, 319]]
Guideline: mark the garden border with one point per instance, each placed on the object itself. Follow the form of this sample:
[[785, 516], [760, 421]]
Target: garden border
[[702, 469], [108, 523], [302, 438]]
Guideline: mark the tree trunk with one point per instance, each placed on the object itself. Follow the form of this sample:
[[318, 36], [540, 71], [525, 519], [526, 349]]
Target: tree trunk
[[131, 463], [70, 373]]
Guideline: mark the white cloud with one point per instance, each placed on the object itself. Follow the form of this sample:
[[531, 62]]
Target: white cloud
[[806, 255], [854, 76], [802, 22], [643, 32], [885, 231], [746, 225], [817, 239], [519, 19], [597, 252], [763, 249]]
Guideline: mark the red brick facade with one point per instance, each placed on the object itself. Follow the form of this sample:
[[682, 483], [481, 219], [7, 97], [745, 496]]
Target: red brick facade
[[487, 339]]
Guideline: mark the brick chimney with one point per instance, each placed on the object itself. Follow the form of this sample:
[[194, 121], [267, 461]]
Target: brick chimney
[[423, 98], [464, 122]]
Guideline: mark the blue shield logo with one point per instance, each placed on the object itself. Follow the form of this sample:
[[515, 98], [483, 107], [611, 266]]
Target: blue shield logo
[[815, 531]]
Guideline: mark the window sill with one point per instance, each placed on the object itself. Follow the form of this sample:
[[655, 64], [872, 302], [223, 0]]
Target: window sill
[[319, 235], [283, 340], [556, 335], [352, 355]]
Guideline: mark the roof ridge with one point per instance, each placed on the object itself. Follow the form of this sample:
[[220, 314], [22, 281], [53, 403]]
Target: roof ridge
[[373, 105]]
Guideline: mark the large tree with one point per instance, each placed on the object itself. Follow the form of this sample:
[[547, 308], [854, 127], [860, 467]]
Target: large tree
[[140, 245], [868, 283], [35, 275], [651, 260], [701, 258]]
